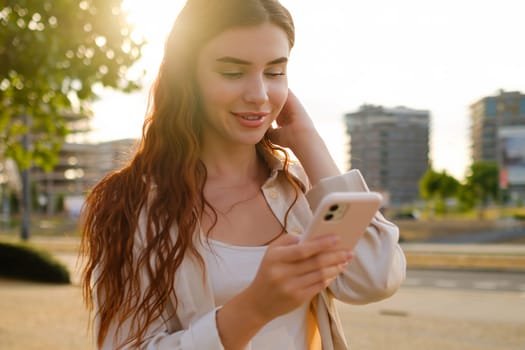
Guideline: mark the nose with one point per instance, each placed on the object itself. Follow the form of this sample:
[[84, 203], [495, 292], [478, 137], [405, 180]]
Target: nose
[[256, 90]]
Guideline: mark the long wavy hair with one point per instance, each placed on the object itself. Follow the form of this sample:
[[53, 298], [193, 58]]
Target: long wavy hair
[[166, 164]]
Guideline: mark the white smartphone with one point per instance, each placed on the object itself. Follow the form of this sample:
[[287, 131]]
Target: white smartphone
[[344, 213]]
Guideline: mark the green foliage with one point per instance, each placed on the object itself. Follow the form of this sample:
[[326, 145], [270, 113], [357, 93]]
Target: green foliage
[[435, 185], [519, 216], [53, 55], [60, 203], [483, 182], [466, 197], [27, 263], [429, 184], [481, 186]]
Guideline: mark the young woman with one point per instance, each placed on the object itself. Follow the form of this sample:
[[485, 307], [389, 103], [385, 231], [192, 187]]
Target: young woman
[[194, 244]]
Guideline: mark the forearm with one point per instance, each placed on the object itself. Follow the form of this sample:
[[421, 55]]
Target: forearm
[[315, 157], [237, 322]]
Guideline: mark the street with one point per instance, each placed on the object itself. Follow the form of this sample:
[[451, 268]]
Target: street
[[437, 318], [468, 280]]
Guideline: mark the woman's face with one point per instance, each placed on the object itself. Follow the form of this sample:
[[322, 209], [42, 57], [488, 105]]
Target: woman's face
[[241, 75]]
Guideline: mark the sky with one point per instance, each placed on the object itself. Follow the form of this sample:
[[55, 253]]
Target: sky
[[439, 56]]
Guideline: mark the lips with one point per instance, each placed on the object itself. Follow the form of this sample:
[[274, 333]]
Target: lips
[[251, 115], [251, 119]]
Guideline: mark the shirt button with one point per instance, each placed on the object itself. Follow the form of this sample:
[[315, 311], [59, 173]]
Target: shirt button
[[274, 194]]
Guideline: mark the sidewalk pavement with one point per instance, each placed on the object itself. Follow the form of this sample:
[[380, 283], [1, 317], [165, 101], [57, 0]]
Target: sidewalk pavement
[[432, 319], [418, 318], [42, 316]]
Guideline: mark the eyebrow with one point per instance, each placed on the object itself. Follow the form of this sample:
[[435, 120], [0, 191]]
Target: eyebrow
[[228, 59]]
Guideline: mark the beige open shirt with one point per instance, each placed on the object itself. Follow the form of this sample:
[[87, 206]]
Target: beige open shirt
[[376, 271]]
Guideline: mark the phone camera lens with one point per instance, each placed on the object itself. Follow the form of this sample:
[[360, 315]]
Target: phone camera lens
[[328, 217], [334, 207]]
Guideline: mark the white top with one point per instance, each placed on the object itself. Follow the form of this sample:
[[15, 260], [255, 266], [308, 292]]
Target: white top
[[231, 269]]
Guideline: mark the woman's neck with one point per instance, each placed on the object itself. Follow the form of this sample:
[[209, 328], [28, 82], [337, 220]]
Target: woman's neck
[[236, 168]]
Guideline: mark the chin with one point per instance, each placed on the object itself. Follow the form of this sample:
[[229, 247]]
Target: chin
[[252, 139]]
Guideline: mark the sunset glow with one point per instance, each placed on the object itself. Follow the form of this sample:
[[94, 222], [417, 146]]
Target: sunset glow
[[439, 56]]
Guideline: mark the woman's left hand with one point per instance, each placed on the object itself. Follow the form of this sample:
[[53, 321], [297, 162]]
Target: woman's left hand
[[296, 131], [293, 124]]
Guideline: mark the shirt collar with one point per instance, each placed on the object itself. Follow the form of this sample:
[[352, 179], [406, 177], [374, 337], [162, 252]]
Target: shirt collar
[[276, 165]]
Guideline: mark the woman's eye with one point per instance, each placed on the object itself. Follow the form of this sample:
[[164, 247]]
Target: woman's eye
[[274, 74], [231, 75]]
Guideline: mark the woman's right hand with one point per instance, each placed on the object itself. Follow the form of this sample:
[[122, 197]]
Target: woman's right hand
[[292, 273]]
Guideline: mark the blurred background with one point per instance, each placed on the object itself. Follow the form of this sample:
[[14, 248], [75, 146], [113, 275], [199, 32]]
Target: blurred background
[[426, 99]]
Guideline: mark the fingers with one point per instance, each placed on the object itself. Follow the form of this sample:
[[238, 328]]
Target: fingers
[[316, 258], [314, 282], [307, 249], [324, 260]]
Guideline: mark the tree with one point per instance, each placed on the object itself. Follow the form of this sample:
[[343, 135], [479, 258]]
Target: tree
[[483, 183], [436, 187], [53, 55], [429, 184]]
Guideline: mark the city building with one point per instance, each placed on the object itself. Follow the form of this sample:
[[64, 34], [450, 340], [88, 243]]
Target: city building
[[390, 146], [498, 134], [80, 166]]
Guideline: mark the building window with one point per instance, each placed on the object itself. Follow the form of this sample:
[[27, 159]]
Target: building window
[[490, 108], [522, 107]]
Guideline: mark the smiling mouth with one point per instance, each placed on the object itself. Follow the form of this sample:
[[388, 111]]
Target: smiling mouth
[[251, 116]]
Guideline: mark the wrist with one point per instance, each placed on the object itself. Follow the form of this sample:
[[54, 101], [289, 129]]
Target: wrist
[[239, 320], [249, 300], [314, 156], [305, 139]]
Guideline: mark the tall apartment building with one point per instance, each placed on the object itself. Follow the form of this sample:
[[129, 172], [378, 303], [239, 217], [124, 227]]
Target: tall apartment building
[[498, 134], [390, 147]]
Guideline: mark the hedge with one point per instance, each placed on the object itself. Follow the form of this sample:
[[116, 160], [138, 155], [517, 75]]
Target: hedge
[[21, 261]]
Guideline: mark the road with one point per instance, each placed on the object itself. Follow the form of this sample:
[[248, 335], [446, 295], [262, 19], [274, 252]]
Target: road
[[467, 280], [480, 237], [437, 318]]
